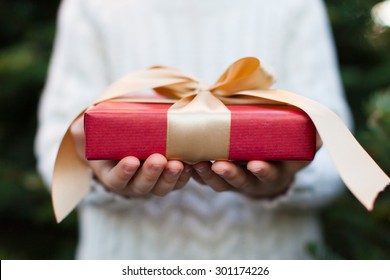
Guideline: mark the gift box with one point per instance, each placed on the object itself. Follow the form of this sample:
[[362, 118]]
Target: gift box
[[236, 132], [265, 132]]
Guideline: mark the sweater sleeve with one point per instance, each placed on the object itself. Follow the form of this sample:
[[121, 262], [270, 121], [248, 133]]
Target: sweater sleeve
[[310, 69], [78, 73]]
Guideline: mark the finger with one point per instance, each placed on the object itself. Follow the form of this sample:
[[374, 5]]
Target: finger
[[203, 169], [78, 135], [276, 176], [234, 174], [318, 141], [266, 172], [115, 175], [197, 178], [168, 178], [184, 177], [147, 176]]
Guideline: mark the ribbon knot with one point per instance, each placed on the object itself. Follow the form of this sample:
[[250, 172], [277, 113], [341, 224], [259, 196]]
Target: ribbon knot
[[245, 74], [200, 119], [202, 87], [198, 128]]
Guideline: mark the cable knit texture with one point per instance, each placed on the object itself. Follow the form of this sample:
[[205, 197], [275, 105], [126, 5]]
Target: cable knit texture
[[98, 41]]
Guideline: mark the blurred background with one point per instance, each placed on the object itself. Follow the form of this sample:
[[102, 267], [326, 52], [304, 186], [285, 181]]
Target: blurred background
[[28, 230]]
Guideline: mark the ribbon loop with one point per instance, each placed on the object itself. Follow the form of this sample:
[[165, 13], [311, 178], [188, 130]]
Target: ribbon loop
[[244, 74]]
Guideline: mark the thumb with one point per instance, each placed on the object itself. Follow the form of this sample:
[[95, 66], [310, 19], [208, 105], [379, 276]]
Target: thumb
[[78, 135]]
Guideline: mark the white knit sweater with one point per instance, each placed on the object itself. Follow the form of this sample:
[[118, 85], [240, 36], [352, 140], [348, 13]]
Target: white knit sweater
[[98, 41]]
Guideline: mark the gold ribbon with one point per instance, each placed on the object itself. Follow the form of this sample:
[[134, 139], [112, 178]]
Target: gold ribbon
[[199, 129], [244, 82]]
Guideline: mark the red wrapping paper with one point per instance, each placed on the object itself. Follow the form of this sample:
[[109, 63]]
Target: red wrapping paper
[[117, 129]]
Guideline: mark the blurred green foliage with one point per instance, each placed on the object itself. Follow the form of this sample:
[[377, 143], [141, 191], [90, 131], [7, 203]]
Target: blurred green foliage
[[28, 228], [363, 50], [376, 135]]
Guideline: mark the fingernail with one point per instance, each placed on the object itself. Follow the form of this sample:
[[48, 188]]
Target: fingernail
[[222, 173], [128, 170], [259, 172], [174, 172], [156, 167]]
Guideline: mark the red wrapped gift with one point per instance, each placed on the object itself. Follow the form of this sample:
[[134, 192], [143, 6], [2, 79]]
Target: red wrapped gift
[[266, 132], [236, 132]]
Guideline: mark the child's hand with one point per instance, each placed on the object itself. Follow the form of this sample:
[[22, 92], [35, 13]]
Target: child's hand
[[259, 179], [128, 177]]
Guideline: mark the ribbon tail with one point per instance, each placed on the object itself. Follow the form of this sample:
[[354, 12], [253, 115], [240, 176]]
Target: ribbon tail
[[360, 173], [71, 179]]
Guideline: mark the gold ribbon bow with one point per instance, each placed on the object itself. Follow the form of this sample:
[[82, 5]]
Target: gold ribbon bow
[[244, 82]]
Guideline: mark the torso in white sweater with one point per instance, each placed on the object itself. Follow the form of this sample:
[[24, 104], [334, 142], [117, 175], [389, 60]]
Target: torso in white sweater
[[99, 41]]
